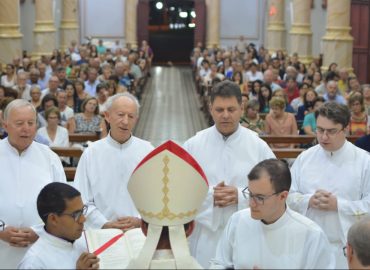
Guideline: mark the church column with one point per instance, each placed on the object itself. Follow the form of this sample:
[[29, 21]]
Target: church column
[[44, 40], [10, 36], [276, 27], [337, 41], [131, 23], [213, 23], [69, 25], [300, 33]]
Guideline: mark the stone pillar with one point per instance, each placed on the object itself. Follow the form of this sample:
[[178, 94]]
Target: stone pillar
[[131, 23], [69, 25], [213, 24], [300, 33], [337, 41], [276, 27], [10, 36], [44, 32]]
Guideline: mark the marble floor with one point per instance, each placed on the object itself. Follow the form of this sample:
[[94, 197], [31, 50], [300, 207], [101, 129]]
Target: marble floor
[[170, 107]]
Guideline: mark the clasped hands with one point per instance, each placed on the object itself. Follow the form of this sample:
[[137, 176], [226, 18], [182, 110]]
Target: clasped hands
[[323, 200], [18, 237], [123, 223], [224, 195]]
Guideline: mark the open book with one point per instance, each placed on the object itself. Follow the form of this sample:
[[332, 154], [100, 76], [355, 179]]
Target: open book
[[114, 248]]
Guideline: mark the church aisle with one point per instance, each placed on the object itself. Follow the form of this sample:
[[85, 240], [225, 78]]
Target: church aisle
[[170, 107]]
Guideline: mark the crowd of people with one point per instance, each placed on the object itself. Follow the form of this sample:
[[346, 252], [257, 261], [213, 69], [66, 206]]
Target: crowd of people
[[222, 200], [263, 77], [74, 85]]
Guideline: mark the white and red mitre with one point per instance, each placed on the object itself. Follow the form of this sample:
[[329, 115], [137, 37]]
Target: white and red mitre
[[168, 186]]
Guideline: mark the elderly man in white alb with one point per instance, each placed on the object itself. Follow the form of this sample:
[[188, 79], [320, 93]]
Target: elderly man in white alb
[[269, 235], [226, 152], [106, 165], [168, 188], [331, 181], [26, 167]]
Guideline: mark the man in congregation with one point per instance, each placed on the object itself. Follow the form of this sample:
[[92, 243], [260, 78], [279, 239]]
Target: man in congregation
[[60, 245], [106, 165], [357, 249], [331, 181], [269, 235], [226, 152], [26, 167]]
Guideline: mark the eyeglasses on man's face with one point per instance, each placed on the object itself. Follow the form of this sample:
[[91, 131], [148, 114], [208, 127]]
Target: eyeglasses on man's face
[[2, 225], [329, 131], [345, 251], [257, 198], [77, 214]]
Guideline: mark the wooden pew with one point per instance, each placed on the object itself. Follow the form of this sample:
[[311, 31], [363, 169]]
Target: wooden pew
[[70, 173], [296, 139], [80, 137], [287, 152], [67, 151]]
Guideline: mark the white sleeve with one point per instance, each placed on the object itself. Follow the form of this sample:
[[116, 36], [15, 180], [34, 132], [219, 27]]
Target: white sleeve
[[31, 262], [95, 219], [319, 253], [57, 168], [297, 200], [224, 252]]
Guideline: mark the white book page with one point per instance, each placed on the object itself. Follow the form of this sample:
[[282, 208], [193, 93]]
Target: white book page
[[118, 255]]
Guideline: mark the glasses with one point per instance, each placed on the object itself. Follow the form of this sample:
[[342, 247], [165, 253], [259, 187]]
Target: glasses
[[2, 225], [329, 131], [258, 199], [77, 214], [345, 251]]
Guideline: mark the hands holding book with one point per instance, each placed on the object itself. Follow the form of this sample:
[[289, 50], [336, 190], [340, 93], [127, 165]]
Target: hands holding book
[[123, 223], [87, 261]]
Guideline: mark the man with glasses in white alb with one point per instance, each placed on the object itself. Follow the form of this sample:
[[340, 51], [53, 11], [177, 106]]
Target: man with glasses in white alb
[[269, 235], [331, 181]]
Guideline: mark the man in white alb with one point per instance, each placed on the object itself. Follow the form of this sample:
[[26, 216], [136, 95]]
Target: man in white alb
[[60, 245], [268, 235], [26, 167], [226, 152], [331, 181], [106, 165]]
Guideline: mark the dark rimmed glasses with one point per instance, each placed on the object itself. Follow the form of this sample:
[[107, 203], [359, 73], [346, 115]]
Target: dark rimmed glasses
[[77, 214], [329, 131], [2, 225], [258, 198]]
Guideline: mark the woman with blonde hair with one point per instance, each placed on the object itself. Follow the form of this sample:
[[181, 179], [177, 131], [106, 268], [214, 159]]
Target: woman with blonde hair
[[278, 122]]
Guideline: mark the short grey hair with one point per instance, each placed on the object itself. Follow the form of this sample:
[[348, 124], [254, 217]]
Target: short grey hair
[[359, 238], [17, 103], [125, 94], [34, 86]]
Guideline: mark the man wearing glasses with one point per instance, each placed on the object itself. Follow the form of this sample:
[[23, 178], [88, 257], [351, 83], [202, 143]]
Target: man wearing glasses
[[269, 235], [59, 245], [331, 181], [357, 249]]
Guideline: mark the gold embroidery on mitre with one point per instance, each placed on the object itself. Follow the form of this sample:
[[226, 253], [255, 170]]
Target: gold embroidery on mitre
[[166, 212]]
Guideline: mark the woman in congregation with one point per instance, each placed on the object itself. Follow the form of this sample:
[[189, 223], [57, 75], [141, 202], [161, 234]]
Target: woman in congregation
[[279, 122], [251, 118], [89, 120], [309, 122], [10, 77], [79, 95], [358, 124], [264, 97]]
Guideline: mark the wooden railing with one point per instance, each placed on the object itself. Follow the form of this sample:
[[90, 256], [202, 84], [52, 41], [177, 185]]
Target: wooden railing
[[296, 139], [80, 137], [280, 153]]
